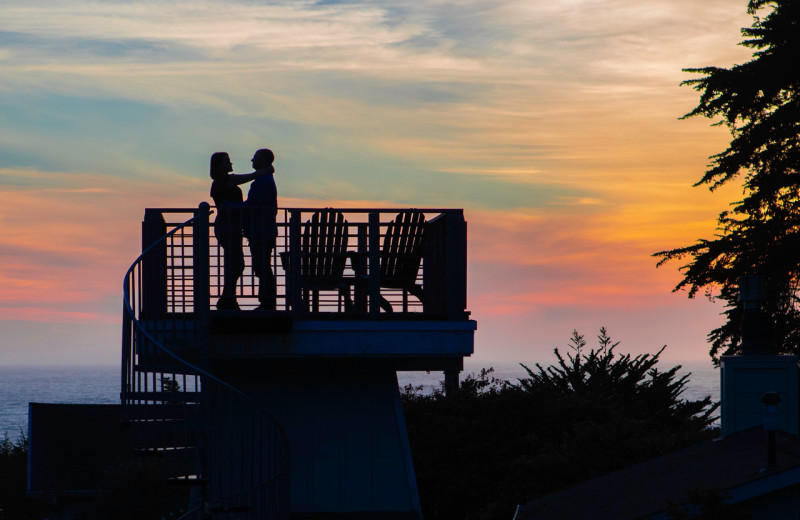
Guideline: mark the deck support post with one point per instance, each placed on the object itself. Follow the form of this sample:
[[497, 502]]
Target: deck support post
[[451, 381], [201, 275], [374, 264], [154, 267], [295, 295]]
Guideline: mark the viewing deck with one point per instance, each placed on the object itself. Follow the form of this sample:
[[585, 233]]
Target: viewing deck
[[288, 405], [384, 284]]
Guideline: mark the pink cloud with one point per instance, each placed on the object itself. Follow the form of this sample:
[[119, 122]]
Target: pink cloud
[[533, 274]]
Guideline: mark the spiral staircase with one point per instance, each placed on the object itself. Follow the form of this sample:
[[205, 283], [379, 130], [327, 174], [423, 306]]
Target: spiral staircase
[[233, 456]]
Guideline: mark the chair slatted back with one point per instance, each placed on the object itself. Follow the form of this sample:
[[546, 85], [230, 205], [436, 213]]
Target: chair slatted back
[[401, 254], [324, 248]]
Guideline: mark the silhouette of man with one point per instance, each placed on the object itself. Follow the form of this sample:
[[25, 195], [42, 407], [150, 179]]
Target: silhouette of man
[[260, 226]]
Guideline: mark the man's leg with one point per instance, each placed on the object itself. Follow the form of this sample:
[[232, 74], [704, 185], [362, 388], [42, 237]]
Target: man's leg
[[267, 294], [261, 251]]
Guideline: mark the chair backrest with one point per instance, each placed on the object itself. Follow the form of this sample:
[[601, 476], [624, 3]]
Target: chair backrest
[[323, 251], [402, 249]]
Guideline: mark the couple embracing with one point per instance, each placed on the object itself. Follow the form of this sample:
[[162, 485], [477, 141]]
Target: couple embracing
[[254, 218]]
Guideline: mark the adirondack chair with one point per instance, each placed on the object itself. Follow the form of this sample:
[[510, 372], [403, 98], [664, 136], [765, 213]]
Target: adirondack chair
[[401, 256], [322, 257]]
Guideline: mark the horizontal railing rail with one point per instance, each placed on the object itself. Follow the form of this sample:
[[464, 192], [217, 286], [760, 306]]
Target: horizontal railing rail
[[188, 273], [181, 412]]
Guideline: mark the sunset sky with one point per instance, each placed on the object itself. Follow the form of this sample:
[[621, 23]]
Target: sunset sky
[[553, 124]]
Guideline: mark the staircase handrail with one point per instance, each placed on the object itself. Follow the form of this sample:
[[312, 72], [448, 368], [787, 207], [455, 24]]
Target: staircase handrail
[[129, 310], [131, 315]]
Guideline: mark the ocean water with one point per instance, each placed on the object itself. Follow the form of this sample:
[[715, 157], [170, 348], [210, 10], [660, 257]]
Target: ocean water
[[704, 379], [101, 385], [21, 385]]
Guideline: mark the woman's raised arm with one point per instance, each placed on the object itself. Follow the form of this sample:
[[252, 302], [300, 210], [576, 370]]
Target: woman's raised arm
[[235, 179]]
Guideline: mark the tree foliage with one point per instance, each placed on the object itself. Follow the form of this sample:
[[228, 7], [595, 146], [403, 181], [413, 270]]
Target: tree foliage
[[496, 444], [759, 103]]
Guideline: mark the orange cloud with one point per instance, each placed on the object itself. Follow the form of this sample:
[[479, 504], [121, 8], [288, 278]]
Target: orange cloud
[[526, 260], [68, 240]]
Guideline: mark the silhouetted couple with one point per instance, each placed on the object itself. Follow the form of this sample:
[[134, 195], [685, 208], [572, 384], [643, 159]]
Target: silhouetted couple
[[254, 218]]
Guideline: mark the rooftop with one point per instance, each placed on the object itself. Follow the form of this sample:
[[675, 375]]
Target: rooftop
[[733, 464]]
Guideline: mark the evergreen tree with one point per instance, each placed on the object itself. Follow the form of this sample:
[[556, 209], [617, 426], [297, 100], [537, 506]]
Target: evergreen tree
[[759, 102]]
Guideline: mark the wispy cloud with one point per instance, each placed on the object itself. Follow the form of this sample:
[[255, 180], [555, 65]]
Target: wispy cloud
[[553, 123]]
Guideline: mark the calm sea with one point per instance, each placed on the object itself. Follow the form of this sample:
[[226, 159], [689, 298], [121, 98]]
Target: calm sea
[[100, 385]]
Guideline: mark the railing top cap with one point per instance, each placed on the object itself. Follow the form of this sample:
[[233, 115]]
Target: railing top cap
[[344, 210], [378, 210]]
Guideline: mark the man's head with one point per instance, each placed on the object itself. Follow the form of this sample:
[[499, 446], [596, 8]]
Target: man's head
[[263, 158]]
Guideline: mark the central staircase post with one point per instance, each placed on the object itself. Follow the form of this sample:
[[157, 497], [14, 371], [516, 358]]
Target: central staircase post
[[201, 275]]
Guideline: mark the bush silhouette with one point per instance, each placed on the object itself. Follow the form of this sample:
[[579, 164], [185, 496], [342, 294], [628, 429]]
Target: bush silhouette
[[494, 444]]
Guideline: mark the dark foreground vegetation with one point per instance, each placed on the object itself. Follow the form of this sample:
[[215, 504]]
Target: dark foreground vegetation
[[132, 490], [482, 450], [495, 444], [13, 481]]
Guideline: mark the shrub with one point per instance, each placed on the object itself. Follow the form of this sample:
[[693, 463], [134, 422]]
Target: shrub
[[633, 381], [494, 444], [14, 504]]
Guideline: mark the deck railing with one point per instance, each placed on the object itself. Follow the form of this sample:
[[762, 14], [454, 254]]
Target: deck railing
[[208, 433], [186, 272]]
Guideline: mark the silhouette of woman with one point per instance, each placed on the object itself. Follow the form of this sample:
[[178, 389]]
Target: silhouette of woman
[[228, 199]]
